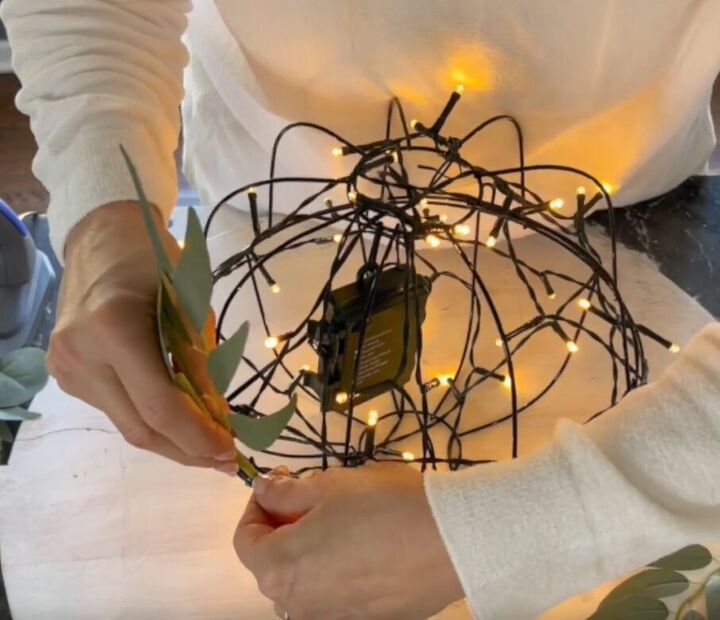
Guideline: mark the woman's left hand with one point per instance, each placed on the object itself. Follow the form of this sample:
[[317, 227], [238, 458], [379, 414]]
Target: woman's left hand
[[347, 544]]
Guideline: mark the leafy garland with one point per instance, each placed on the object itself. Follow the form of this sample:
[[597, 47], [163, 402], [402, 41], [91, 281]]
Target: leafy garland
[[22, 375], [640, 597]]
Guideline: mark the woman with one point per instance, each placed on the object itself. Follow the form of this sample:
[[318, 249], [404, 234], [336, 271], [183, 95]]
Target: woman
[[621, 89]]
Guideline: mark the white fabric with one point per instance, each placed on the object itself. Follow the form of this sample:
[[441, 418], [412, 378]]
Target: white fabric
[[620, 89]]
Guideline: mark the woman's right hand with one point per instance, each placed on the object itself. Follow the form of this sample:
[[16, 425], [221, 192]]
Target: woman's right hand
[[105, 350]]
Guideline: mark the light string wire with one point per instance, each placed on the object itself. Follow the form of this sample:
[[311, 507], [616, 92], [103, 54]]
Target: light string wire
[[385, 226]]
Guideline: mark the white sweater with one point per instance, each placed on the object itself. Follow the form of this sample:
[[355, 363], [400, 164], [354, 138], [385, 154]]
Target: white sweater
[[619, 88]]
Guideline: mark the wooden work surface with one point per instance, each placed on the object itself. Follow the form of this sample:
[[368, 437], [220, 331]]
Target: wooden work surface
[[92, 528]]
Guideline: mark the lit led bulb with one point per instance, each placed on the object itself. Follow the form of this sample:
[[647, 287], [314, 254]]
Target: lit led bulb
[[584, 304], [432, 240], [306, 367], [507, 381], [552, 295], [674, 348], [352, 195], [181, 244], [557, 204], [414, 123], [337, 237], [408, 457], [341, 398], [491, 241], [572, 346], [462, 229], [581, 191], [608, 187], [275, 288], [424, 202], [328, 202], [271, 342], [460, 89], [337, 151], [372, 418], [445, 380], [498, 343], [252, 190]]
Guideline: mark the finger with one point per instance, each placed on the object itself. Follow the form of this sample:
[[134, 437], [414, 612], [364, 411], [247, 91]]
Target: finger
[[288, 499], [108, 395], [254, 525], [164, 407]]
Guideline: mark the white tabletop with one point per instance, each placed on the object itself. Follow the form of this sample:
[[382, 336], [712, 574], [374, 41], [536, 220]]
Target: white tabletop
[[93, 528]]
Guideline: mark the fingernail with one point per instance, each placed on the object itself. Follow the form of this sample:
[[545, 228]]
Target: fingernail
[[227, 456], [231, 469], [260, 484]]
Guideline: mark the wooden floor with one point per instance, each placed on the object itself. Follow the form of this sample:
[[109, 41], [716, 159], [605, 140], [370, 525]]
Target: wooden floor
[[24, 193]]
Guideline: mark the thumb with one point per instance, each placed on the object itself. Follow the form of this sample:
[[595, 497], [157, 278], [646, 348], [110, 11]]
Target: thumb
[[286, 498]]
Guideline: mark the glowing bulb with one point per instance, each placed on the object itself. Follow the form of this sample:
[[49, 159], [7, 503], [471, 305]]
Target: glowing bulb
[[252, 190], [328, 202], [352, 195], [306, 367], [408, 456], [424, 202], [498, 343], [674, 348], [491, 241], [608, 187], [396, 156], [584, 304], [414, 123], [275, 288], [337, 238], [341, 398], [557, 204], [581, 191], [337, 151], [181, 244], [432, 241], [507, 382], [552, 295], [372, 418], [462, 229], [445, 380], [460, 89], [571, 346], [271, 342]]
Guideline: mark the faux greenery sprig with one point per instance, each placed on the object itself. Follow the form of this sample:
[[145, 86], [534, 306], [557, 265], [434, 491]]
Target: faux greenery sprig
[[22, 375], [640, 597], [197, 364]]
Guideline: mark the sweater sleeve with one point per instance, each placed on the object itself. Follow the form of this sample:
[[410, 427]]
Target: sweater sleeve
[[600, 500], [96, 74]]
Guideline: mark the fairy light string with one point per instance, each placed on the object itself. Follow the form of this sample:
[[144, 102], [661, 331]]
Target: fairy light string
[[386, 218]]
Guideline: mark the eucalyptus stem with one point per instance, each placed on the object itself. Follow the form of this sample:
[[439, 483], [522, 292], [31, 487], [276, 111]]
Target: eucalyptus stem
[[688, 602]]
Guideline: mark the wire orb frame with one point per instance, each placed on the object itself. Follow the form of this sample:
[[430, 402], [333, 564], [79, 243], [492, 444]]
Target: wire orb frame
[[382, 224]]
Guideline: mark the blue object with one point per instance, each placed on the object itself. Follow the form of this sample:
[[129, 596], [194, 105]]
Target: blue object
[[26, 279], [14, 220]]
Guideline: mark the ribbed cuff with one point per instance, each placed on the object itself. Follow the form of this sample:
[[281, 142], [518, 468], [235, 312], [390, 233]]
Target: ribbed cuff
[[94, 174]]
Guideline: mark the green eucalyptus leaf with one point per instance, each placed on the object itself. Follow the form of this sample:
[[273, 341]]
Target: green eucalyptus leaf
[[693, 614], [691, 557], [712, 597], [193, 278], [632, 608], [6, 433], [22, 375], [225, 359], [157, 244], [18, 414], [654, 582], [261, 433]]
